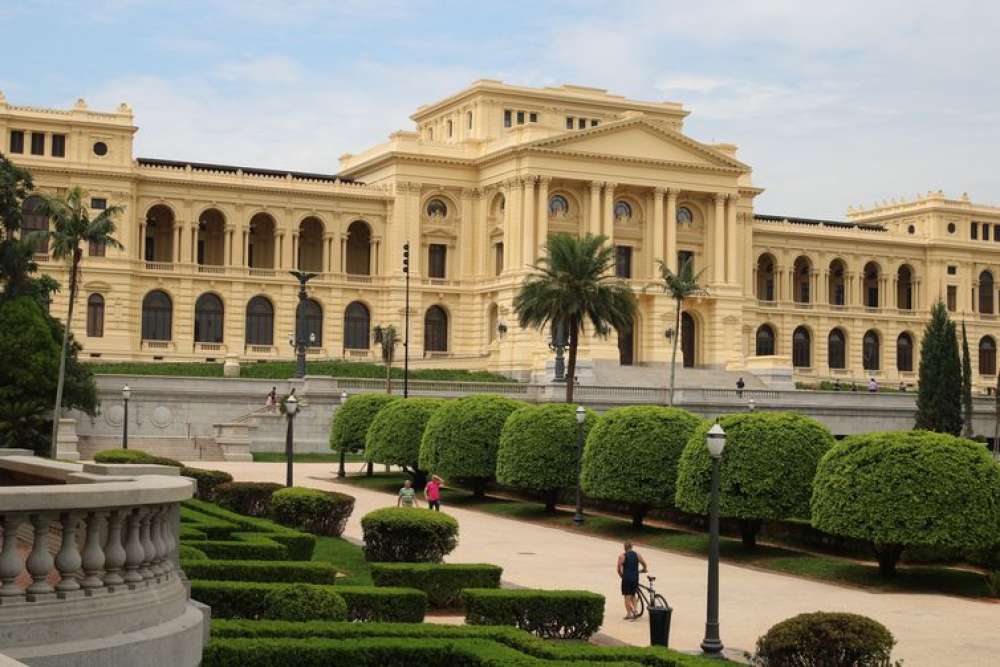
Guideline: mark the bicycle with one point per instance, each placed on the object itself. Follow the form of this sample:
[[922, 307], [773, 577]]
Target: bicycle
[[646, 594]]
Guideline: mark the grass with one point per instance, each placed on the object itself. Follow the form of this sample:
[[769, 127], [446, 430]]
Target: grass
[[282, 370], [826, 568], [305, 457], [346, 557]]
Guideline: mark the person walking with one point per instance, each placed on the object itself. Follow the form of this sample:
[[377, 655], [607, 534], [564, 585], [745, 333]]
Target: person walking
[[272, 398], [629, 563], [407, 496], [432, 493]]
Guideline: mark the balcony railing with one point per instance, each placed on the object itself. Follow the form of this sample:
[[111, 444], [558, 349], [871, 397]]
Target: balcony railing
[[352, 278], [211, 268], [157, 345], [159, 266], [262, 273]]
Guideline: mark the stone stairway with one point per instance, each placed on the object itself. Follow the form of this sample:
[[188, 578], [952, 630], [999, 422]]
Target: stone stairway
[[611, 374]]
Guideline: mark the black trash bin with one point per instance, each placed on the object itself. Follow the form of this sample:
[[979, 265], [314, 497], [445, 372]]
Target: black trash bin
[[659, 625]]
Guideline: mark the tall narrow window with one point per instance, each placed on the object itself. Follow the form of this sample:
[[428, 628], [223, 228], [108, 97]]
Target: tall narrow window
[[208, 318], [260, 322], [157, 313], [765, 341], [37, 143], [569, 122], [801, 348], [986, 291], [58, 145], [357, 322], [17, 141], [95, 316], [623, 261], [683, 257], [974, 230], [508, 118], [581, 123], [952, 298], [97, 249], [309, 322], [436, 260], [450, 129], [870, 351], [987, 356], [520, 118], [436, 330], [904, 353], [34, 222], [532, 117], [836, 354], [498, 259], [468, 119]]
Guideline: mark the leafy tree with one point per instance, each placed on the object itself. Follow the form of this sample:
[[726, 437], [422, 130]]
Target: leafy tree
[[766, 471], [461, 438], [966, 385], [28, 372], [386, 338], [70, 216], [394, 435], [680, 286], [939, 395], [908, 488], [538, 449], [352, 419], [632, 453], [15, 185], [572, 283]]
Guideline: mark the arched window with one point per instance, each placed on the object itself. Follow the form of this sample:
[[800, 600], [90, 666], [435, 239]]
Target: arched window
[[309, 322], [208, 319], [987, 356], [260, 322], [904, 288], [801, 348], [357, 322], [765, 341], [904, 353], [359, 238], [32, 221], [802, 270], [95, 316], [436, 208], [870, 351], [211, 241], [838, 293], [558, 206], [836, 350], [684, 216], [157, 313], [436, 330], [310, 245], [159, 241], [260, 244], [986, 293], [623, 210], [765, 278], [626, 345], [871, 278]]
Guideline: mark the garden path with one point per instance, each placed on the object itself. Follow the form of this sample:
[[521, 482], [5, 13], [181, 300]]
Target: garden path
[[932, 630]]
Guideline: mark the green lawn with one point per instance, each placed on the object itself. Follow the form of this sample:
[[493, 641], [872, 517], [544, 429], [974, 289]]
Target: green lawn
[[305, 457], [832, 569], [346, 557]]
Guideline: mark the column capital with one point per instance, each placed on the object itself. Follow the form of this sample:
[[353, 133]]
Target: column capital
[[529, 180], [734, 198], [609, 186], [595, 186], [468, 193], [659, 191], [673, 192], [720, 198], [544, 180], [515, 183]]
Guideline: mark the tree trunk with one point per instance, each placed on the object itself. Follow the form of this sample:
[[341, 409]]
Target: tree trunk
[[638, 514], [574, 341], [748, 531], [888, 555], [551, 498], [418, 476], [388, 373], [673, 358], [74, 266], [371, 469], [479, 488]]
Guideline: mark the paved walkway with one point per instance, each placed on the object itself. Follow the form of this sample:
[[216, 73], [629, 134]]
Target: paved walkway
[[933, 630]]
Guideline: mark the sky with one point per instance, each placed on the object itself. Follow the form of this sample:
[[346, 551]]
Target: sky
[[832, 104]]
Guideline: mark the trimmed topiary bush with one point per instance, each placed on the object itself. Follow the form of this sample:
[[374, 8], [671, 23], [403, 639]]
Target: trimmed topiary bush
[[411, 535], [206, 481], [352, 420], [766, 471], [442, 582], [461, 438], [825, 639], [251, 600], [250, 498], [188, 553], [384, 605], [548, 614], [133, 456], [312, 510], [394, 435], [298, 572], [538, 449], [631, 456], [302, 602], [908, 488]]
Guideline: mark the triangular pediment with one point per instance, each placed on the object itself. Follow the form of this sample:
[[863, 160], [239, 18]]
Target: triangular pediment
[[639, 139]]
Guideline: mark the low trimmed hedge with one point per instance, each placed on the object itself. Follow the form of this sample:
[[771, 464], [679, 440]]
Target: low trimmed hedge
[[189, 555], [548, 614], [306, 572], [411, 535], [302, 602], [136, 456], [236, 550], [442, 582], [248, 498], [384, 604], [206, 481], [825, 638], [298, 545], [312, 510]]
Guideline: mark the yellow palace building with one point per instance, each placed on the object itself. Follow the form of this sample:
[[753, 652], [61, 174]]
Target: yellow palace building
[[475, 188]]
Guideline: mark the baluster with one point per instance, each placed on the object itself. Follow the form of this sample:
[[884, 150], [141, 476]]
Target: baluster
[[134, 552], [114, 552], [169, 538], [11, 564], [148, 548], [93, 554], [68, 559], [40, 561], [159, 539], [154, 538]]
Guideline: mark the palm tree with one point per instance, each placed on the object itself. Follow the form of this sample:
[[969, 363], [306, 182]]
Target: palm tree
[[679, 286], [572, 283], [387, 338], [72, 226]]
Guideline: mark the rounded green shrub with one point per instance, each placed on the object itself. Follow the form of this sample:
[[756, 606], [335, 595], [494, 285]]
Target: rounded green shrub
[[411, 535], [908, 488], [187, 552], [822, 639], [538, 449], [352, 419], [249, 498], [304, 602], [312, 510], [134, 456], [395, 433], [206, 481], [462, 437], [631, 456], [766, 471]]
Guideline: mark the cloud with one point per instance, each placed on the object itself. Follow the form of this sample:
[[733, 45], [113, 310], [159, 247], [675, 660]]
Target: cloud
[[274, 69]]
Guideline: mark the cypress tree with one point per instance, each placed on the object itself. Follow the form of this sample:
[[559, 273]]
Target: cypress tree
[[939, 399], [966, 386]]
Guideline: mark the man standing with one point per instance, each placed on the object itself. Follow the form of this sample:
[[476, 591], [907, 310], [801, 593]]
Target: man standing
[[407, 496], [432, 492], [628, 570]]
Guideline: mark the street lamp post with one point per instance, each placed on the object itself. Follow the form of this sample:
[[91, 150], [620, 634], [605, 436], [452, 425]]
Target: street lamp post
[[126, 393], [716, 442], [300, 339], [291, 407], [558, 345], [341, 472], [581, 416], [406, 322]]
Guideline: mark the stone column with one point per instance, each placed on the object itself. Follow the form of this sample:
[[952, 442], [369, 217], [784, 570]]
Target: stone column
[[595, 208], [542, 215], [292, 262], [141, 245], [246, 247], [515, 224], [732, 234], [178, 233], [658, 250], [528, 221], [719, 239], [670, 228], [466, 238], [227, 239], [609, 212], [508, 235], [328, 239]]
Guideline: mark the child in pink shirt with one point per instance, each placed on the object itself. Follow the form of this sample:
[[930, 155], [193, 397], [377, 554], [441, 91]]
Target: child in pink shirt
[[432, 492]]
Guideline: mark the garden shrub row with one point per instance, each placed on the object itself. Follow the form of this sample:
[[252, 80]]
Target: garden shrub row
[[225, 535], [308, 572], [312, 510], [548, 614], [247, 498], [299, 545], [394, 535], [134, 456], [443, 583]]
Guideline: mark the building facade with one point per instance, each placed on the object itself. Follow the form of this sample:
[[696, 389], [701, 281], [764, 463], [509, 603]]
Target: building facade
[[475, 189]]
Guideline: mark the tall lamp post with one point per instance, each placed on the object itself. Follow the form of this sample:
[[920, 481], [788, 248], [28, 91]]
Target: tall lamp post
[[301, 341], [581, 416], [406, 321], [716, 442], [291, 407], [341, 472], [558, 345], [126, 393]]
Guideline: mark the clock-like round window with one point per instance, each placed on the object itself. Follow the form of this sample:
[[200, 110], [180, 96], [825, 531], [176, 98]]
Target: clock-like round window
[[436, 208], [951, 227], [684, 216], [100, 149], [623, 210], [558, 205]]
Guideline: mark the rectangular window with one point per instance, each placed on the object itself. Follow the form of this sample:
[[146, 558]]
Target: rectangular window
[[952, 298], [498, 259], [508, 118], [437, 254], [37, 143], [98, 203], [594, 122], [97, 249], [520, 118], [952, 270], [683, 256], [986, 232], [532, 117], [17, 141], [581, 123], [58, 145], [569, 122], [974, 230], [623, 261]]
